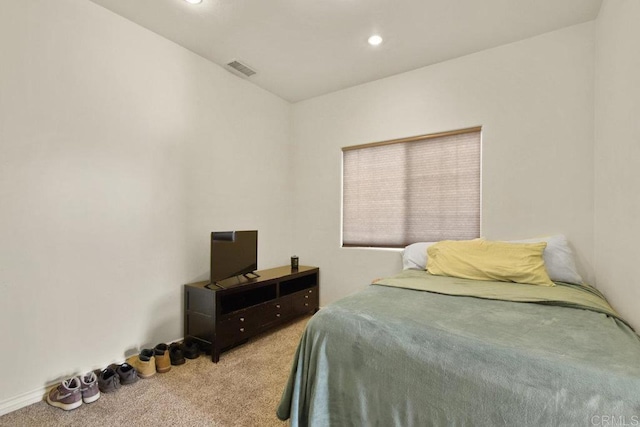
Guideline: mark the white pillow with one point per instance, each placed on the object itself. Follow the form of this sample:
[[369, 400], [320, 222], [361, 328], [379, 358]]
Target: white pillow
[[558, 258], [415, 256]]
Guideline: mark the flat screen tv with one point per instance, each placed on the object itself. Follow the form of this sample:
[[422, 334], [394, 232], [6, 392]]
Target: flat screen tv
[[233, 253]]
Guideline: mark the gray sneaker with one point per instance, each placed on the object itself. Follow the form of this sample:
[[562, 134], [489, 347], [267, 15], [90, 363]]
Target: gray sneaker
[[126, 372], [66, 395], [108, 380], [89, 387]]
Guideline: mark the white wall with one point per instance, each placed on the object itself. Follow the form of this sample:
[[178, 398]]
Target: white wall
[[534, 100], [119, 153], [617, 156]]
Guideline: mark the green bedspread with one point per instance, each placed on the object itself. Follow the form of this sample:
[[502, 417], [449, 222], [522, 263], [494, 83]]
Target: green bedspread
[[392, 355], [563, 294]]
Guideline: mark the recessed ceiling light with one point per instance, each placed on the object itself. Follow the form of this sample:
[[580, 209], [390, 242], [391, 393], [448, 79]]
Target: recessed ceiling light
[[194, 1], [375, 40]]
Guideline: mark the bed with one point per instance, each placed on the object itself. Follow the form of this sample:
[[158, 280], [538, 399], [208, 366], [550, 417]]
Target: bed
[[419, 350]]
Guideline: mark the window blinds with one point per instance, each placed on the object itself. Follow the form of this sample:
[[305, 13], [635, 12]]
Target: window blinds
[[423, 188]]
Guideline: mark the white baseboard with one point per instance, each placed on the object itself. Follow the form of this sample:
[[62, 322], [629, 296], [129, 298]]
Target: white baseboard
[[22, 400]]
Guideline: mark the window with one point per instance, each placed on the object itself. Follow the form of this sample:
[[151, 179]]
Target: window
[[424, 188]]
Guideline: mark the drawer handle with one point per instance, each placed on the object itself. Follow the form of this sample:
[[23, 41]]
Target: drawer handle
[[277, 305], [310, 291], [306, 304], [306, 296], [242, 319], [278, 315], [241, 329]]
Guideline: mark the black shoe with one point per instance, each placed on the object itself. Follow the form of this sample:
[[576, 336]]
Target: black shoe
[[190, 348], [108, 380], [127, 373], [175, 354]]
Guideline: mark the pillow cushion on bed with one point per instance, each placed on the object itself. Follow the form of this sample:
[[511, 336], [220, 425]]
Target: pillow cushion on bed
[[558, 258], [481, 259], [414, 256]]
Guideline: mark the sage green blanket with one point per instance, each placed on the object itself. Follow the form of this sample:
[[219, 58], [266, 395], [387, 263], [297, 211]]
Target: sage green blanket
[[563, 294], [395, 356]]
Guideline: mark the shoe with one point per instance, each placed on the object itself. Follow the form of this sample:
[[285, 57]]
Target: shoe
[[108, 380], [175, 354], [163, 361], [89, 387], [144, 363], [66, 395], [190, 348], [127, 373]]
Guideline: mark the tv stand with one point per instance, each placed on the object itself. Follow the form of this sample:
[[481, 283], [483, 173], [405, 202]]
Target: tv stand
[[222, 318]]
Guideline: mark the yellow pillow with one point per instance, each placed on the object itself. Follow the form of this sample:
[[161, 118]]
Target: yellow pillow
[[481, 259]]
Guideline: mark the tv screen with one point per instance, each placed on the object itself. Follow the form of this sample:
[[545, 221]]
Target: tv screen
[[233, 253]]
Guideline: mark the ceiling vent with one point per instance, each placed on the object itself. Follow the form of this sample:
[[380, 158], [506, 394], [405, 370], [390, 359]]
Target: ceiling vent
[[239, 68]]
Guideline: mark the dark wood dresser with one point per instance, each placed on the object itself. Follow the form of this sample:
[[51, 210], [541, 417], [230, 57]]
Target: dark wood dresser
[[223, 317]]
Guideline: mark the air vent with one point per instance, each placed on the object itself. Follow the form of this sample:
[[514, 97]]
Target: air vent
[[241, 68]]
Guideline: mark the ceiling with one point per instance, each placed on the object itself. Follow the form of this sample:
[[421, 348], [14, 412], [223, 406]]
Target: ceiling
[[303, 48]]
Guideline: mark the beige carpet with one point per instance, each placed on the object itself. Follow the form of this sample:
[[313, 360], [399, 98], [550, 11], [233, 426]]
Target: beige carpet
[[243, 389]]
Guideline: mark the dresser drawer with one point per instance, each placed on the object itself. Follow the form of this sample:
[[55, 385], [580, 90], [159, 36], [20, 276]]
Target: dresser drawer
[[278, 310], [240, 325], [305, 301]]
